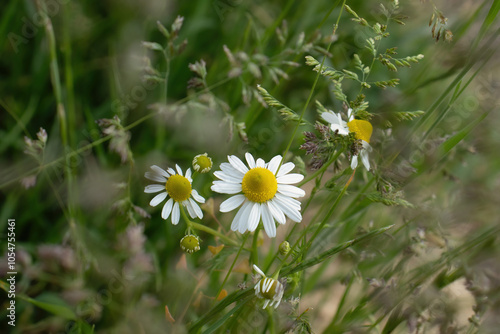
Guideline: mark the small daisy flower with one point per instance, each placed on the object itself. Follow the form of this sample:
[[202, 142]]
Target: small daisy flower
[[268, 288], [262, 191], [176, 186], [202, 163], [362, 130]]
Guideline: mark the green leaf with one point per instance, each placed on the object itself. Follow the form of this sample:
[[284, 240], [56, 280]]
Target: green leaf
[[490, 18], [52, 303], [288, 270], [378, 198], [231, 298], [457, 138], [226, 316]]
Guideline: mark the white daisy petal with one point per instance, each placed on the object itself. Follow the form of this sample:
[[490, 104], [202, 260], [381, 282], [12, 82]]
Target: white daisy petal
[[155, 177], [176, 213], [330, 117], [254, 218], [236, 220], [268, 221], [228, 178], [276, 212], [341, 130], [364, 159], [290, 178], [354, 162], [231, 203], [228, 169], [154, 188], [291, 202], [286, 168], [274, 163], [350, 114], [336, 122], [196, 209], [237, 164], [291, 191], [188, 175], [260, 163], [160, 171], [179, 170], [243, 223], [291, 213], [250, 160], [171, 171], [265, 303], [167, 208], [226, 188], [197, 197], [260, 272], [189, 208], [158, 199]]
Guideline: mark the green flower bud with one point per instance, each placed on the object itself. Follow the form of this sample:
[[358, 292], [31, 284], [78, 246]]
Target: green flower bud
[[190, 243], [284, 248]]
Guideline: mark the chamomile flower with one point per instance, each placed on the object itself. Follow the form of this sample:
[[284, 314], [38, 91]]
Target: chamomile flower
[[263, 191], [362, 130], [268, 288], [177, 186]]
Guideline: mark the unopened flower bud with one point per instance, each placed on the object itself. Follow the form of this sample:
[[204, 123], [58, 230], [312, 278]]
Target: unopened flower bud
[[202, 163], [284, 248], [190, 243]]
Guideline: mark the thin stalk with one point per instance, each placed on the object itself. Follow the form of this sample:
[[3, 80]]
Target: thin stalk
[[254, 256], [69, 77], [105, 139], [330, 213], [310, 93], [321, 170], [61, 113], [232, 265], [272, 325], [204, 228]]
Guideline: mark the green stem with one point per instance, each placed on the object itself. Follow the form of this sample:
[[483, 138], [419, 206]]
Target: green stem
[[321, 170], [204, 228], [255, 252], [270, 313], [61, 113], [105, 139], [232, 265], [330, 213], [213, 232], [310, 93], [319, 173], [320, 227]]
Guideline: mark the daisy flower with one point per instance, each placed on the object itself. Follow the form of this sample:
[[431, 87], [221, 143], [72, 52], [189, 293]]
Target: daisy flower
[[268, 288], [262, 191], [362, 130], [176, 186]]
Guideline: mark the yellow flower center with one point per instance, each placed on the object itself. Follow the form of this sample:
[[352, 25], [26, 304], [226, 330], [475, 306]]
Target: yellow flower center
[[264, 283], [178, 187], [259, 185], [362, 129]]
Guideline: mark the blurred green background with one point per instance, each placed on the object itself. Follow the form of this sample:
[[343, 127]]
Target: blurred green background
[[87, 250]]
